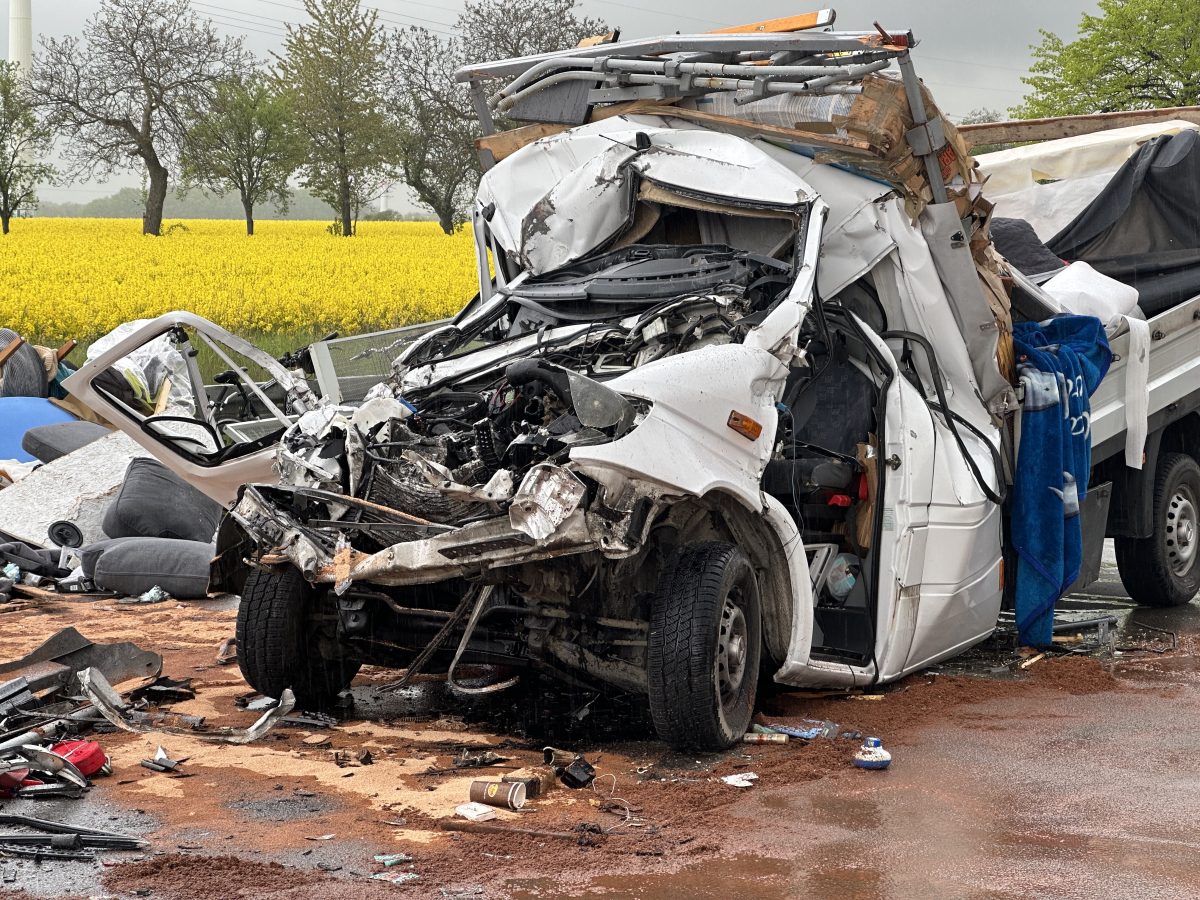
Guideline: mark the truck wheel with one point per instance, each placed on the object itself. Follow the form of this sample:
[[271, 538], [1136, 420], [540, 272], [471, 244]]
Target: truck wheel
[[704, 648], [279, 645], [1164, 569]]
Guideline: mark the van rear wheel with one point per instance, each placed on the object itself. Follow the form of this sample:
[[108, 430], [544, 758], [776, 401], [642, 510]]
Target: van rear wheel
[[281, 643], [1164, 569], [704, 648]]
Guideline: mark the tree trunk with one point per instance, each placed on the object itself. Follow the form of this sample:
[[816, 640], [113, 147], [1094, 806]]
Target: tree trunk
[[248, 206], [5, 218], [156, 198], [347, 212], [446, 220]]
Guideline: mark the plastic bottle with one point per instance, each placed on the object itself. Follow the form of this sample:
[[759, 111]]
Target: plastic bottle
[[841, 576]]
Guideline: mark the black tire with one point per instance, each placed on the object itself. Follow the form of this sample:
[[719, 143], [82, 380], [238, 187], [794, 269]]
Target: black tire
[[704, 648], [1164, 569], [280, 643]]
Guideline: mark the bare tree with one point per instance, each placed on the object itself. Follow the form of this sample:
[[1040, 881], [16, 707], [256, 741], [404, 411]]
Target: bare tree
[[435, 116], [334, 69], [24, 142], [120, 95], [244, 141]]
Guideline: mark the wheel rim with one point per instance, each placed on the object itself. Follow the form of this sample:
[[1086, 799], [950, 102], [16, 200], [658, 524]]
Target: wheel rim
[[1183, 530], [733, 646]]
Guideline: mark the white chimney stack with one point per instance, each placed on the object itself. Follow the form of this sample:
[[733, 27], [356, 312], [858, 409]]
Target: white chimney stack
[[20, 34]]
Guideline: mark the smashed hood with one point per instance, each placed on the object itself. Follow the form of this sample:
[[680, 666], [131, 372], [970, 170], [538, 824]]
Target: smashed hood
[[598, 173]]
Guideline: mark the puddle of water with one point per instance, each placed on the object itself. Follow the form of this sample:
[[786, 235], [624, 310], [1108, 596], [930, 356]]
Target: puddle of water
[[713, 879]]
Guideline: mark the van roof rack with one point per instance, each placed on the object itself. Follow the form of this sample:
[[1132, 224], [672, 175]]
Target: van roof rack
[[798, 86]]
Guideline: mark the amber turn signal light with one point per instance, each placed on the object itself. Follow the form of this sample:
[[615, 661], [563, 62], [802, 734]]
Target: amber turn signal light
[[744, 425]]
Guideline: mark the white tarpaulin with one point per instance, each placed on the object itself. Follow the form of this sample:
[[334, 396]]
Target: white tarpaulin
[[1048, 184]]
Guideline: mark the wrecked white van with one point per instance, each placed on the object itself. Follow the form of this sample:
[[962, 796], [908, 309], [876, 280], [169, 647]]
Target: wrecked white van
[[733, 401]]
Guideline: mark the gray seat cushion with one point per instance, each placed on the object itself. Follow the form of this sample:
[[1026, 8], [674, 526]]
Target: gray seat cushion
[[155, 502], [23, 374], [50, 442], [132, 566]]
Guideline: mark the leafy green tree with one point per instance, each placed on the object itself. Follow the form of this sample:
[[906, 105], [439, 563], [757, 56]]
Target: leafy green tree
[[24, 142], [120, 95], [1137, 54], [436, 119], [334, 69], [244, 141]]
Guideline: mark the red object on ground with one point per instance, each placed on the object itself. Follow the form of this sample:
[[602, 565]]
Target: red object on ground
[[87, 756], [11, 780]]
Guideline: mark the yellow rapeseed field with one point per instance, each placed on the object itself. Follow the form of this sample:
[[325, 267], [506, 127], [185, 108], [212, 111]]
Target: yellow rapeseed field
[[79, 278]]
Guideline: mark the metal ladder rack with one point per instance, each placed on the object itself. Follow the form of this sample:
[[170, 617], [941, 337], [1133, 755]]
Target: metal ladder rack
[[565, 87]]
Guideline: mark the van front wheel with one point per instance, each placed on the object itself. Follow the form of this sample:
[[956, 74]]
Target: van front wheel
[[704, 649], [282, 644]]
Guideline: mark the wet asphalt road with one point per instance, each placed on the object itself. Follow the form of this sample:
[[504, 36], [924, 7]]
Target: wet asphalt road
[[1037, 794]]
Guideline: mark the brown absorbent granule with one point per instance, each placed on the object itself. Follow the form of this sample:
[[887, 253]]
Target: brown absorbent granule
[[1073, 674], [179, 877]]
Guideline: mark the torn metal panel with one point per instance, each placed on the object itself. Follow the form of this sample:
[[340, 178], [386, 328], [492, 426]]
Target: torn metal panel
[[67, 652], [97, 689]]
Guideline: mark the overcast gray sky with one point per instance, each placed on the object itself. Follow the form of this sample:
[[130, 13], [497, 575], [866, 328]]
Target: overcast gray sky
[[971, 55]]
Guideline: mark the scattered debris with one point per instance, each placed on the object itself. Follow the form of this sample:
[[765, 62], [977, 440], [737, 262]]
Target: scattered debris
[[571, 768], [227, 652], [162, 762], [812, 730], [498, 793], [392, 859], [537, 780], [164, 690], [757, 738], [397, 877], [872, 755], [154, 595], [475, 812], [741, 779], [483, 827], [486, 759], [97, 689]]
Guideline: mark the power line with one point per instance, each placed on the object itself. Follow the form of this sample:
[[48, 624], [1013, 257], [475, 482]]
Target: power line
[[661, 12], [229, 14], [385, 15]]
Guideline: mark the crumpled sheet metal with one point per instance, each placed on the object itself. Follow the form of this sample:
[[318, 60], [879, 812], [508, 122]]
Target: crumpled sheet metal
[[97, 689]]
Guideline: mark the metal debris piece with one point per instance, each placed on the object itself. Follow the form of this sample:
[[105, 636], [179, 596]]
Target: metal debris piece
[[741, 779], [487, 758], [162, 762], [397, 877], [227, 652], [97, 689], [392, 859], [320, 837], [52, 764], [165, 690], [62, 654]]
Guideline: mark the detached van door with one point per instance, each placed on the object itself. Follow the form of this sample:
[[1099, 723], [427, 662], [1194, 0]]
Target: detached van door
[[217, 437]]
